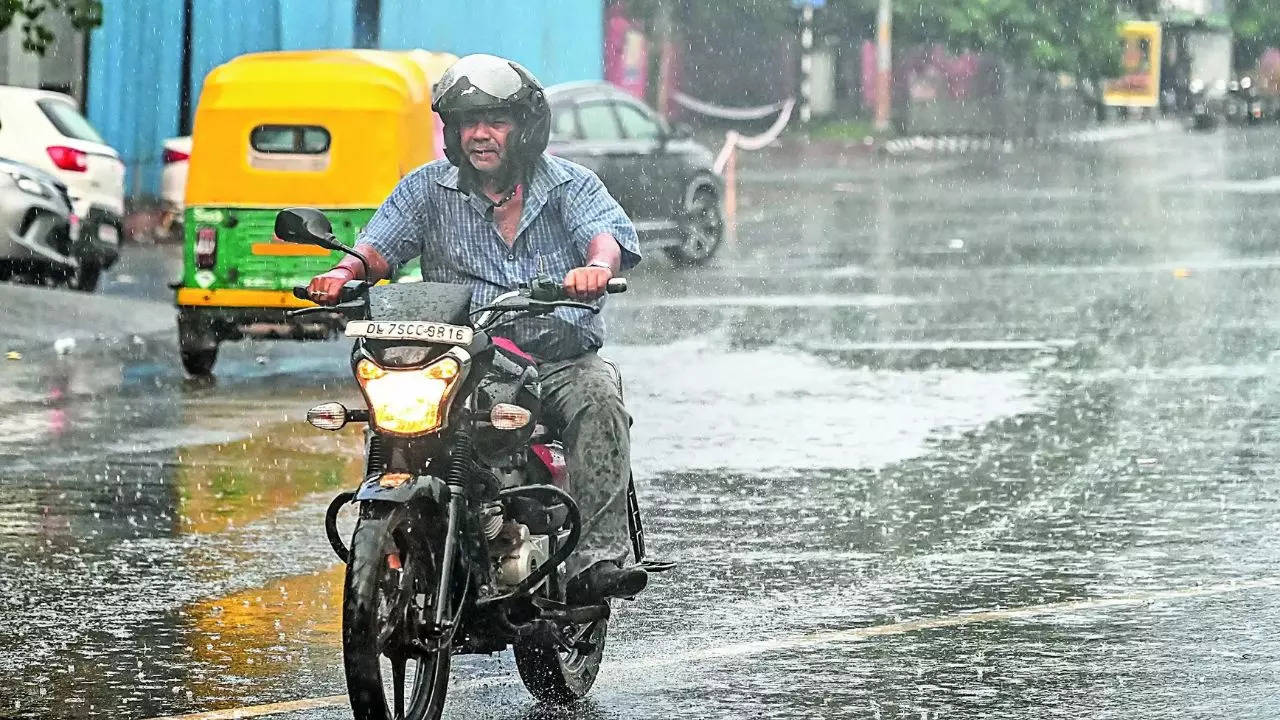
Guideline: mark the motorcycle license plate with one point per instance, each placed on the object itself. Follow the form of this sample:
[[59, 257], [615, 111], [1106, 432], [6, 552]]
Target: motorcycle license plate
[[410, 330]]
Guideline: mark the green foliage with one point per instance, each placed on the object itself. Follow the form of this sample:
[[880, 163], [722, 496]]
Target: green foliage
[[36, 35], [1060, 36], [1078, 37], [1256, 24]]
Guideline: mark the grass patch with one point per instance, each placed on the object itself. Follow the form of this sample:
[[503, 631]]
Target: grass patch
[[854, 130]]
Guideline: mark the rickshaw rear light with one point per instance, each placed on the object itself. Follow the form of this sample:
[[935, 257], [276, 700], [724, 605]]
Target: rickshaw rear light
[[206, 247], [173, 156]]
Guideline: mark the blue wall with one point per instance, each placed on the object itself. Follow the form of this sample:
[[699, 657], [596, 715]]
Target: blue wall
[[223, 29], [558, 40], [134, 68], [135, 58]]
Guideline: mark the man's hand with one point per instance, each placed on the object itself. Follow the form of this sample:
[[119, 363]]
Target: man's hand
[[324, 289], [587, 283]]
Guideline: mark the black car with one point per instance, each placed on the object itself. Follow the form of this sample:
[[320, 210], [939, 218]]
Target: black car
[[661, 176]]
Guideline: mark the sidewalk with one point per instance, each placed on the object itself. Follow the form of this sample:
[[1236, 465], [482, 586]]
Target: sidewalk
[[955, 144]]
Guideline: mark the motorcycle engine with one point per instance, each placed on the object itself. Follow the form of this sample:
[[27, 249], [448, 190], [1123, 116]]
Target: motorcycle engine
[[516, 553]]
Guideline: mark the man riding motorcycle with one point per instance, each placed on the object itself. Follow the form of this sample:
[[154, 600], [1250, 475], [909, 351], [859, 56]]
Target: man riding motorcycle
[[499, 212]]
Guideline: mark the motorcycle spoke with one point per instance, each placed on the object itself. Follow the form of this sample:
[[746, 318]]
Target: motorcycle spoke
[[397, 680]]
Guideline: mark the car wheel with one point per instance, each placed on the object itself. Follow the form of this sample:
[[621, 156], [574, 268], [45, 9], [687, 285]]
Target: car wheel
[[702, 228], [86, 277]]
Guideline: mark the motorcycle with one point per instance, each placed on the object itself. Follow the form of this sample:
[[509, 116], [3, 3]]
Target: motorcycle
[[1202, 115], [465, 517], [1244, 104]]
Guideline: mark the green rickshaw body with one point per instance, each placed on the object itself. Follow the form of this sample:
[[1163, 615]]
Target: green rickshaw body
[[329, 129]]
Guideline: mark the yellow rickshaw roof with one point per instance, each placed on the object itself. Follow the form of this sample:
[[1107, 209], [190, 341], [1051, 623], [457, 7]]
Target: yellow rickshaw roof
[[351, 79], [375, 106]]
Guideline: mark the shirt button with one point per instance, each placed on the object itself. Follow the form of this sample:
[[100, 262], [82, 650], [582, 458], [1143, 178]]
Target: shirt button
[[511, 257]]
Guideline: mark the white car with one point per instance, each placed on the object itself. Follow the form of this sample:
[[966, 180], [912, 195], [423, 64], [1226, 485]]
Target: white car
[[173, 181], [46, 130]]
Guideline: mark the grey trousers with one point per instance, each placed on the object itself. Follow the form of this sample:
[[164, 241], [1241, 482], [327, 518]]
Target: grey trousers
[[582, 400]]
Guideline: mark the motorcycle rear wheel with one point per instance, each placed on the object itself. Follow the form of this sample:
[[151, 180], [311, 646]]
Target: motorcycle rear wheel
[[555, 676], [380, 617]]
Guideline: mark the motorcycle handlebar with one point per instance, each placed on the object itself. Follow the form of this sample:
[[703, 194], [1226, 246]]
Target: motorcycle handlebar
[[351, 290], [545, 289]]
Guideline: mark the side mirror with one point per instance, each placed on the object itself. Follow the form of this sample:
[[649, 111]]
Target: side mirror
[[307, 226]]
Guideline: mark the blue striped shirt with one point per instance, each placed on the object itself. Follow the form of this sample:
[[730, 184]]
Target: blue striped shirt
[[565, 205]]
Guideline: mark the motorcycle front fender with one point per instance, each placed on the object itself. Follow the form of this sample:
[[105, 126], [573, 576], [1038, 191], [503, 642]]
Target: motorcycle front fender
[[421, 487]]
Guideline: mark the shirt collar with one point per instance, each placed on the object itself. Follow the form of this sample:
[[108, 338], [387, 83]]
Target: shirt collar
[[545, 176]]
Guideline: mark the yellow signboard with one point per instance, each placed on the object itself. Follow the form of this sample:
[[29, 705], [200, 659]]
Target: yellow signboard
[[1139, 83]]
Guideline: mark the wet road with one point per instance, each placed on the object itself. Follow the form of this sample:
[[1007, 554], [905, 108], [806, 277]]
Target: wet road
[[982, 436]]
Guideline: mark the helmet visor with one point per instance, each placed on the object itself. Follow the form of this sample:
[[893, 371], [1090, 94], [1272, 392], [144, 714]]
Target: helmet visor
[[488, 74]]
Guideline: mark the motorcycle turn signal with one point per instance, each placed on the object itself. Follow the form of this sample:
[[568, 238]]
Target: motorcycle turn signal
[[505, 416], [334, 416]]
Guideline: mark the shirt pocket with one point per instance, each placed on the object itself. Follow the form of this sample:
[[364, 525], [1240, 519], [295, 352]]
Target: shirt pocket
[[553, 257]]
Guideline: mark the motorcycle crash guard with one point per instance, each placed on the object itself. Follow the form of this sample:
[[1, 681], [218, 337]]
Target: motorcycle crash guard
[[421, 487]]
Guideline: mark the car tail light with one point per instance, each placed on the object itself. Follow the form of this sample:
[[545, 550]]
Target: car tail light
[[173, 156], [206, 247], [69, 158]]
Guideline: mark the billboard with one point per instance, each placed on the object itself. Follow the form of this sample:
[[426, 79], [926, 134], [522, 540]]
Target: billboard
[[1139, 82]]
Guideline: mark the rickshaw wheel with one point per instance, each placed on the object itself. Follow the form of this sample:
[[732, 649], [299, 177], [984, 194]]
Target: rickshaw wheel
[[200, 362]]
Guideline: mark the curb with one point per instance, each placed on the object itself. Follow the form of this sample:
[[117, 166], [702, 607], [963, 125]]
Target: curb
[[960, 144]]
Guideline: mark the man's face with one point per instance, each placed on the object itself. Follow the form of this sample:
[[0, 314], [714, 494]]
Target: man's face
[[484, 139]]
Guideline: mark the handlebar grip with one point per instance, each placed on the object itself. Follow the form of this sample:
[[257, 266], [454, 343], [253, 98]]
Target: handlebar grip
[[300, 292], [616, 285]]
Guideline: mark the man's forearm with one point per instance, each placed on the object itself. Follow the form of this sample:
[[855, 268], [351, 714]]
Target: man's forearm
[[604, 250], [379, 268]]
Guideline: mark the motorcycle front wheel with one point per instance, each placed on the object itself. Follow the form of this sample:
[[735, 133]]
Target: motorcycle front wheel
[[387, 600]]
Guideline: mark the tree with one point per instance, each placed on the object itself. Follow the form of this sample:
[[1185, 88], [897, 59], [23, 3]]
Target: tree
[[36, 35], [1256, 24], [1077, 37], [1073, 37]]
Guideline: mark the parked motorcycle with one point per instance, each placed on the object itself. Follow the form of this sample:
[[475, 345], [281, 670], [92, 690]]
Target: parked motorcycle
[[465, 517], [1243, 105], [1203, 116]]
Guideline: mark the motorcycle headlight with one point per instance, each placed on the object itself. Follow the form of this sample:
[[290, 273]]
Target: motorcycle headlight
[[408, 402]]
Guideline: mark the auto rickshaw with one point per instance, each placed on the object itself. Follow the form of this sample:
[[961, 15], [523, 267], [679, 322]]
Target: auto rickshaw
[[331, 129]]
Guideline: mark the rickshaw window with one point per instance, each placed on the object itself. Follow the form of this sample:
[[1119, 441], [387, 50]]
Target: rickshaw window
[[291, 139]]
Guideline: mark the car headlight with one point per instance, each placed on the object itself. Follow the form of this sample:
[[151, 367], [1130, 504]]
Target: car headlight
[[408, 402], [28, 184]]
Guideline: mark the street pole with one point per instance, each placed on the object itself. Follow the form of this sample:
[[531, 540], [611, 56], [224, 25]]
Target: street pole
[[884, 64], [665, 27], [806, 61]]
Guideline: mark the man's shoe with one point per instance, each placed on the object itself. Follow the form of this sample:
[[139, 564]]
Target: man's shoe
[[606, 580]]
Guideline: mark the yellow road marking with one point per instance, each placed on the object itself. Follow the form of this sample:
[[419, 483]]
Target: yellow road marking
[[815, 639], [263, 710]]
